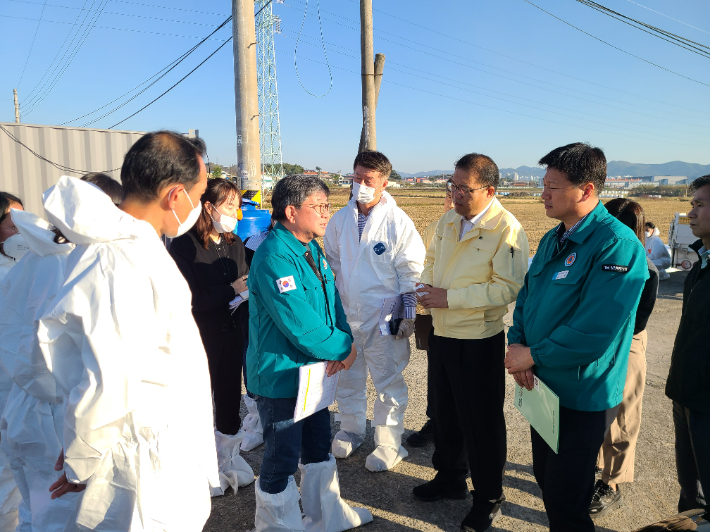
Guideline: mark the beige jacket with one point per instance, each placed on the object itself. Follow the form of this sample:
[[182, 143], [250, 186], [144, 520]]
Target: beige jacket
[[482, 273]]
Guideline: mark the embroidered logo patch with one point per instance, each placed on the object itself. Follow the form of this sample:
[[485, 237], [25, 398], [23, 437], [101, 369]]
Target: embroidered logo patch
[[286, 284], [379, 248], [325, 264], [615, 268], [569, 261], [560, 275]]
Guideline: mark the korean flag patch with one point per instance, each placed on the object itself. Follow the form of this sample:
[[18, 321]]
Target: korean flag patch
[[286, 284]]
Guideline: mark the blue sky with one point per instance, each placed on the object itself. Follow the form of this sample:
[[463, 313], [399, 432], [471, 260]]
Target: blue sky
[[498, 77]]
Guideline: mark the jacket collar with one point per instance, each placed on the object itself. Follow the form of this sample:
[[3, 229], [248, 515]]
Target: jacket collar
[[293, 243], [695, 246], [586, 228]]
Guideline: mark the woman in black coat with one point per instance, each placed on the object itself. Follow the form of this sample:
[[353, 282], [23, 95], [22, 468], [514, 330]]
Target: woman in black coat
[[212, 259]]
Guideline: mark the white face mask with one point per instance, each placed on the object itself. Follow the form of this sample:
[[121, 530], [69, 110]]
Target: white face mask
[[184, 227], [226, 224], [15, 246], [363, 193]]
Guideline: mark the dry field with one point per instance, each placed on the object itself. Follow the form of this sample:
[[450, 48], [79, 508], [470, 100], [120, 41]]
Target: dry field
[[425, 205]]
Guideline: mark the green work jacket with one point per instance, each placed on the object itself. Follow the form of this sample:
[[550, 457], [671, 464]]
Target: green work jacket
[[577, 307], [292, 321]]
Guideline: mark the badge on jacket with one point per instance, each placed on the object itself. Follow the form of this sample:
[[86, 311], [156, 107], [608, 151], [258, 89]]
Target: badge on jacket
[[286, 284], [379, 248], [569, 261]]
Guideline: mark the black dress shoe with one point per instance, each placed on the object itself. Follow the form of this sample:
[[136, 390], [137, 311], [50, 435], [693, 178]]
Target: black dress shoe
[[482, 514], [441, 488], [424, 437]]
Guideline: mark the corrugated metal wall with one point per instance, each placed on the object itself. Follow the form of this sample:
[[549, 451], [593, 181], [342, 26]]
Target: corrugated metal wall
[[86, 150]]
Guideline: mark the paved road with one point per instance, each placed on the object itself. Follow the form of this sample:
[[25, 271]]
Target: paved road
[[388, 495]]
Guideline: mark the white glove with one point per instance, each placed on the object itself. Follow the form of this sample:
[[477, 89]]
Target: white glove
[[406, 329]]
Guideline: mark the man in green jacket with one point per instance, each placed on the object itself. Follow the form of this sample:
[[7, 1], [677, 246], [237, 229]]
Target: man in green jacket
[[296, 318], [573, 325]]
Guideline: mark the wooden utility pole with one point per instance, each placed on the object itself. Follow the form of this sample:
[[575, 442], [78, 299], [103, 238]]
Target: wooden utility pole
[[246, 95], [369, 98], [17, 107]]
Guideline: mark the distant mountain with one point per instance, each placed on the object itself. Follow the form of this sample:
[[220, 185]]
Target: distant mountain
[[614, 168], [691, 170]]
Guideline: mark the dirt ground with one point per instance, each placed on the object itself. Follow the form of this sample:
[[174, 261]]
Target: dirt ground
[[651, 497]]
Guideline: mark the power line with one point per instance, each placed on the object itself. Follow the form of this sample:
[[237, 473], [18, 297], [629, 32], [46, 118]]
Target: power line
[[295, 53], [616, 47], [681, 42], [675, 19], [171, 88], [164, 72], [438, 79], [58, 166], [33, 43], [469, 60]]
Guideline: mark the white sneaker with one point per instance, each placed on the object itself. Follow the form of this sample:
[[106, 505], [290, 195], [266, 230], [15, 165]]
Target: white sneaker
[[385, 458], [345, 443]]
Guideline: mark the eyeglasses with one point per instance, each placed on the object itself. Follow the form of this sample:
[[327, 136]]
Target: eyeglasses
[[320, 208], [451, 187]]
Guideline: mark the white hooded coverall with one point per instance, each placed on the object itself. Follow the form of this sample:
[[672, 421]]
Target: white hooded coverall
[[10, 497], [385, 262], [657, 253], [123, 345], [33, 419]]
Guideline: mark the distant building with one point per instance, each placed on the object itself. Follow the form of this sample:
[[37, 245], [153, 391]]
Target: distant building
[[623, 182], [665, 179]]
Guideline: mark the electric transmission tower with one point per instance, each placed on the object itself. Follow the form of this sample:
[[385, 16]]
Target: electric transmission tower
[[269, 126]]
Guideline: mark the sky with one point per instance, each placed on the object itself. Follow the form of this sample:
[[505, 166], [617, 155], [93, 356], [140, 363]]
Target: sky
[[499, 77]]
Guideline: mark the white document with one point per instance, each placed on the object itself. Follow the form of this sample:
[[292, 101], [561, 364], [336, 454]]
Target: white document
[[392, 309], [316, 390]]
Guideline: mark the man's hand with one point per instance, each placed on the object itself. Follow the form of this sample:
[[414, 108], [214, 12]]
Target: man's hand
[[348, 362], [406, 329], [431, 297], [525, 379], [333, 367], [63, 486], [518, 358]]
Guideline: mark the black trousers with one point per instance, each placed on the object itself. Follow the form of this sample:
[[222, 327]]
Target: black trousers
[[224, 349], [468, 389], [567, 478], [692, 457]]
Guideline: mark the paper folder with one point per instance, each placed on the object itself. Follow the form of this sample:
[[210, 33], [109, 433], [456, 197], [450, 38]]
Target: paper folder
[[541, 407]]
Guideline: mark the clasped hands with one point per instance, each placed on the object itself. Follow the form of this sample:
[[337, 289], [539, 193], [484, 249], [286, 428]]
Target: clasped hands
[[432, 297], [334, 366], [519, 363]]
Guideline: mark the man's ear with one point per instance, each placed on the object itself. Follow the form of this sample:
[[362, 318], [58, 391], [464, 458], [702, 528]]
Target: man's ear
[[290, 213], [588, 191]]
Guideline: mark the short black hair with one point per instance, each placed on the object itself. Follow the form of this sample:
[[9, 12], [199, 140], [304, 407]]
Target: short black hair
[[650, 225], [482, 166], [294, 190], [581, 162], [7, 199], [699, 182], [374, 160], [159, 159], [105, 182]]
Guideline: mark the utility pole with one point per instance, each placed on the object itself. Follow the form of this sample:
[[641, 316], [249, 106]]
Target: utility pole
[[17, 107], [367, 57], [246, 95], [379, 69]]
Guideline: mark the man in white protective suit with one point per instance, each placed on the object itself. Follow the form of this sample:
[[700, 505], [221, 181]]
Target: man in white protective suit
[[376, 253], [123, 345], [32, 421]]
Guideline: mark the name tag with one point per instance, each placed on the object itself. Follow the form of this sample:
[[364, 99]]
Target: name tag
[[560, 275], [615, 268]]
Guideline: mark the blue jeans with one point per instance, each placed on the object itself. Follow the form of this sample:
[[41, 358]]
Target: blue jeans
[[692, 451], [285, 441]]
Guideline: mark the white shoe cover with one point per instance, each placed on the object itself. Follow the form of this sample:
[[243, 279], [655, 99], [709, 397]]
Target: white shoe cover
[[279, 512], [385, 458], [233, 469], [323, 508], [345, 444], [253, 431]]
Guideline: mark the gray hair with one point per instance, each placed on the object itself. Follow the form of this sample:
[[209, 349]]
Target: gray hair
[[294, 190]]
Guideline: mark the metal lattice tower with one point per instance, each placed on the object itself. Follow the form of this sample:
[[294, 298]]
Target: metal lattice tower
[[269, 126]]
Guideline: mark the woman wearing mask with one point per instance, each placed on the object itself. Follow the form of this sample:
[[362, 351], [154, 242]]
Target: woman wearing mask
[[656, 251], [9, 231], [212, 259], [12, 247]]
